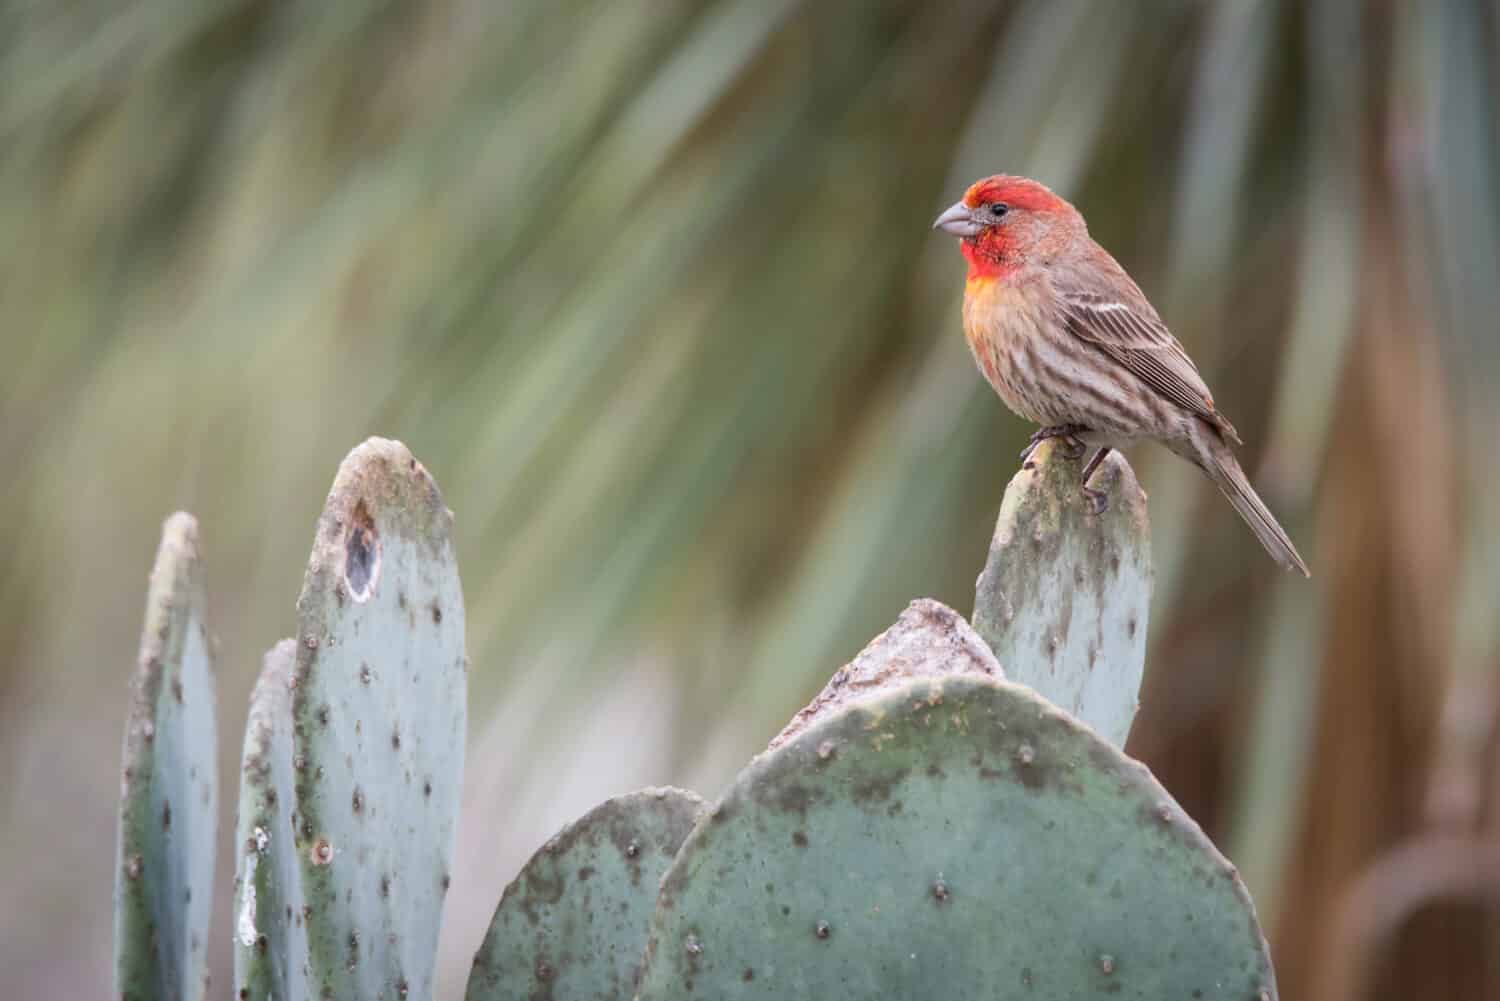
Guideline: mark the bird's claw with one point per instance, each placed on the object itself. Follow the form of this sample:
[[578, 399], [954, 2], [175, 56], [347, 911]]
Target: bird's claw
[[1073, 447], [1098, 500], [1068, 432]]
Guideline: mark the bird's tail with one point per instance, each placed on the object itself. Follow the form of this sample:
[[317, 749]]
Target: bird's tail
[[1215, 458]]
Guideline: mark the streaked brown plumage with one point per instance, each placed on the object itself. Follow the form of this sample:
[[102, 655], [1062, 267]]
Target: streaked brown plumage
[[1069, 342]]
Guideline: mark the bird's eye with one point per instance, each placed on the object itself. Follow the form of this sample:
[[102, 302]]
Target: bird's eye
[[998, 210]]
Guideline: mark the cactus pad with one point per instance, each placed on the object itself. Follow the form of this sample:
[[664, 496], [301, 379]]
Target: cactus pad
[[573, 923], [270, 939], [169, 792], [1064, 594], [949, 836], [378, 719]]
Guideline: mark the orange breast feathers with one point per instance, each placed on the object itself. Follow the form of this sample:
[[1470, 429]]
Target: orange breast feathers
[[997, 314]]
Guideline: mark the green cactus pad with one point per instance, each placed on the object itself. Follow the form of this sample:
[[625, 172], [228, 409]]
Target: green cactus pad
[[169, 792], [573, 924], [270, 939], [378, 727], [1064, 594], [949, 836]]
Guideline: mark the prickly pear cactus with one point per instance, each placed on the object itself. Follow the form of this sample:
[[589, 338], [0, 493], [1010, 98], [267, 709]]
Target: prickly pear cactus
[[378, 728], [169, 793], [949, 835], [573, 923], [1064, 594], [270, 939]]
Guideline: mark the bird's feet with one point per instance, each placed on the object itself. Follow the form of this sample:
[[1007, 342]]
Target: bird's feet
[[1068, 432], [1098, 499]]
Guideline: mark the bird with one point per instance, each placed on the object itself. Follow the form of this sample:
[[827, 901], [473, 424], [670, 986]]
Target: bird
[[1069, 342]]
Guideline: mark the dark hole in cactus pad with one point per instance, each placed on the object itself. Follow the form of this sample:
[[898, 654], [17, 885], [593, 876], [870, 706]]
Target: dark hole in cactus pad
[[361, 554]]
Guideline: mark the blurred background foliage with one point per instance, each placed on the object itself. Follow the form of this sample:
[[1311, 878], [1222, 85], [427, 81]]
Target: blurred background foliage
[[649, 287]]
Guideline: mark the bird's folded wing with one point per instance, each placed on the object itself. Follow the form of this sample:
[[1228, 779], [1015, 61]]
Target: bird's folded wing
[[1133, 335]]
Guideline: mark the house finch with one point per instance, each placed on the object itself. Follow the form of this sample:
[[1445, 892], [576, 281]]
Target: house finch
[[1070, 343]]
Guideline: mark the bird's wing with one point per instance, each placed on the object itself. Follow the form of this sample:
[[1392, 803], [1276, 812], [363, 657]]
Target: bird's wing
[[1128, 330]]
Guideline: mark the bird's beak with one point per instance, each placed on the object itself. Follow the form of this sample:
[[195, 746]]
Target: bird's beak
[[959, 220]]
